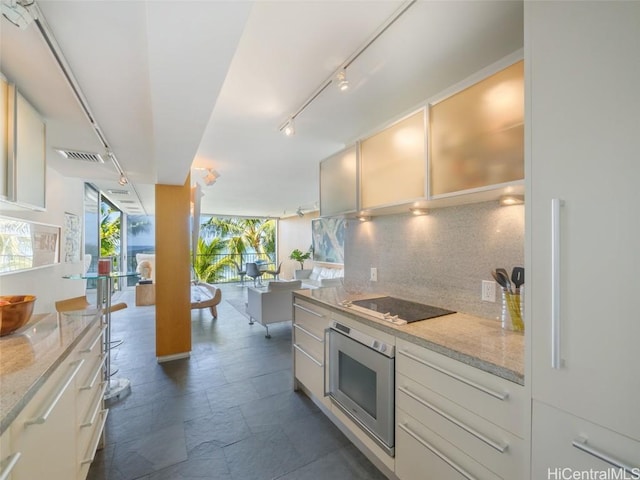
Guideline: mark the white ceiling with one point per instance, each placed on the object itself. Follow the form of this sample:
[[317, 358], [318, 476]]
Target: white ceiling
[[173, 83]]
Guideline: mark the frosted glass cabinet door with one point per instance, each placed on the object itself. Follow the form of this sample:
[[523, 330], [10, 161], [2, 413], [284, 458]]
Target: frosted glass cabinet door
[[338, 183], [392, 163], [476, 136]]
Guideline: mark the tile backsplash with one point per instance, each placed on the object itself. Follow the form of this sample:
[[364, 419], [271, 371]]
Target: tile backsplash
[[440, 258]]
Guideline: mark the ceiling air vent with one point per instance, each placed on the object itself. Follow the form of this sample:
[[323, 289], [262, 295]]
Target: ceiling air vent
[[82, 156], [127, 201], [113, 191]]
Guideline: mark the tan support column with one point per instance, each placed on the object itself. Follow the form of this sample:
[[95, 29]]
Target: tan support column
[[173, 272]]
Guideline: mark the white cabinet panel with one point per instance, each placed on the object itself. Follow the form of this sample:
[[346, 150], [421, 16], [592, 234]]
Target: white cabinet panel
[[584, 114], [422, 454], [339, 183], [393, 164], [578, 445], [496, 399]]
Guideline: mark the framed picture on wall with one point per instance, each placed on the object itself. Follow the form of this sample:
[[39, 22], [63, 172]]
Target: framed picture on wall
[[72, 237], [26, 245], [328, 240]]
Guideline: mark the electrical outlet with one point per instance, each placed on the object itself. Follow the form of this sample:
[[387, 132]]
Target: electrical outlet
[[374, 274], [488, 291]]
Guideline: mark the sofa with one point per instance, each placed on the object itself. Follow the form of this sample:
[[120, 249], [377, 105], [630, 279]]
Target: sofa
[[271, 304], [320, 277]]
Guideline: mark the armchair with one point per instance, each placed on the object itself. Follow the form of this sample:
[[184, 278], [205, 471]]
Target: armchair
[[273, 305]]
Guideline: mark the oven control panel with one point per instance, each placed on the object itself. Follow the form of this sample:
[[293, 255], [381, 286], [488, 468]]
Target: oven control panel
[[365, 339]]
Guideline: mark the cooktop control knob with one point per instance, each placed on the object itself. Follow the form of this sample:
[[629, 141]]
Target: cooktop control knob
[[376, 345], [383, 347]]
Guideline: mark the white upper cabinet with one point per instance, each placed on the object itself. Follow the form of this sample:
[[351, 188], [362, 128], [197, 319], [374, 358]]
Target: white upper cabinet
[[476, 136], [392, 164], [338, 183], [584, 113]]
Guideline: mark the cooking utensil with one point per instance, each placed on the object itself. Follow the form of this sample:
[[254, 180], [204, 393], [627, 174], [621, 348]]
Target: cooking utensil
[[500, 278], [517, 277], [503, 273]]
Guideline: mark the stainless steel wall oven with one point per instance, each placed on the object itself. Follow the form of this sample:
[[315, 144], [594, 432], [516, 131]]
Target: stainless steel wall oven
[[362, 382]]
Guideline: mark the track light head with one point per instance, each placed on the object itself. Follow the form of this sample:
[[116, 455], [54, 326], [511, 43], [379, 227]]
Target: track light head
[[123, 180], [289, 128], [343, 83], [299, 212]]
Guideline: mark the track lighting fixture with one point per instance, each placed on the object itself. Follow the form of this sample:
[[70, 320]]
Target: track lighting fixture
[[211, 177], [299, 212], [343, 83], [123, 180], [289, 128], [341, 76]]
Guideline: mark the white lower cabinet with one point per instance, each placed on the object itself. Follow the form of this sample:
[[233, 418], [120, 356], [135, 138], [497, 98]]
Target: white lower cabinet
[[455, 421], [309, 324], [56, 434], [422, 454], [577, 445]]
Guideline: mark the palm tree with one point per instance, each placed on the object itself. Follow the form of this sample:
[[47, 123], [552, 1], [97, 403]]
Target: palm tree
[[210, 263], [243, 235], [109, 231]]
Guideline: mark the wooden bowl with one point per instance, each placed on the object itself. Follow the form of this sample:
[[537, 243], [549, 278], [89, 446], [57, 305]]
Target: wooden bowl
[[15, 311]]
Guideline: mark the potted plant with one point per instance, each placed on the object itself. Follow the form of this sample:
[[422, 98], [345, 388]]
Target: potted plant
[[300, 257]]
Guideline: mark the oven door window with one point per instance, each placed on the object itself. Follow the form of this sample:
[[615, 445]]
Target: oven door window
[[358, 382]]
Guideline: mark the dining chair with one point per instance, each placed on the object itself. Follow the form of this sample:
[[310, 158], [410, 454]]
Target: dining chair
[[254, 272], [275, 272]]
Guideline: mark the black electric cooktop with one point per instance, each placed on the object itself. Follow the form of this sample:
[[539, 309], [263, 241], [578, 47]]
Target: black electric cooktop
[[404, 309]]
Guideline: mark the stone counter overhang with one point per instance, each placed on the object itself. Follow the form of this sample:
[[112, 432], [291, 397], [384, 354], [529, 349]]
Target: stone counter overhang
[[478, 342], [29, 356]]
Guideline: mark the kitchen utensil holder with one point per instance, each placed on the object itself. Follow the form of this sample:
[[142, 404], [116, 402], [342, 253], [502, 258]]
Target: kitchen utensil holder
[[512, 315]]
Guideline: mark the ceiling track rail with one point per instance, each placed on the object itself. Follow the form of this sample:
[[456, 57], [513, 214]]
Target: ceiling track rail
[[56, 52], [352, 58]]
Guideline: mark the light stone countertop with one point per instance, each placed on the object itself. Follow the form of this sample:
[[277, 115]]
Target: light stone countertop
[[32, 353], [478, 342]]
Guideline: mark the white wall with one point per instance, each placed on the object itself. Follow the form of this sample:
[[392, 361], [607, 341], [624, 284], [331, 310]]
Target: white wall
[[294, 232], [63, 195]]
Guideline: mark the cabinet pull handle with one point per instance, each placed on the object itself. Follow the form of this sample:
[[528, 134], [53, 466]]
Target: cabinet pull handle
[[499, 446], [304, 309], [94, 446], [324, 361], [436, 452], [556, 203], [47, 411], [96, 374], [312, 335], [10, 463], [581, 444], [308, 355], [97, 408], [471, 383], [95, 341]]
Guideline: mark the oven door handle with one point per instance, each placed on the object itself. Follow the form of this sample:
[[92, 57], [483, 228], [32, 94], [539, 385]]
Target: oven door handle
[[324, 361]]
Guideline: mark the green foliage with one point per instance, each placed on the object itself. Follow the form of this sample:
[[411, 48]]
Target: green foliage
[[299, 256], [109, 231], [205, 270]]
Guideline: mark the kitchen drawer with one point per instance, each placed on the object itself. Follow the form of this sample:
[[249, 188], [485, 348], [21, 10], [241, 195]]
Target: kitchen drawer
[[559, 441], [311, 317], [491, 446], [421, 454], [8, 458], [309, 342], [497, 400], [45, 430], [89, 436], [309, 371]]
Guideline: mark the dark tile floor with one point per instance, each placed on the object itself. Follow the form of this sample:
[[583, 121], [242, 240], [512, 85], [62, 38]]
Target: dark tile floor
[[228, 412]]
